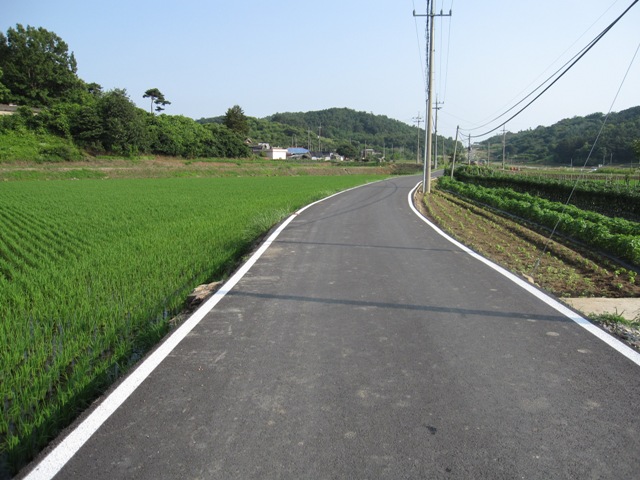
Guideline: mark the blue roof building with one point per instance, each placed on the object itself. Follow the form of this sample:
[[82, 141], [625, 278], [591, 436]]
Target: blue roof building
[[297, 151]]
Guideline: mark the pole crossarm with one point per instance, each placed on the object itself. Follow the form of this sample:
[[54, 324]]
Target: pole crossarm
[[432, 14]]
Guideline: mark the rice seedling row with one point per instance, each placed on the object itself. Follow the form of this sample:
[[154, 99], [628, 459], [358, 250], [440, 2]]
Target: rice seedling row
[[91, 273]]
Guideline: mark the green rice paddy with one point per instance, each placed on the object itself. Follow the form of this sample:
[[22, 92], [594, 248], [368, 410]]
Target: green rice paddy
[[92, 271]]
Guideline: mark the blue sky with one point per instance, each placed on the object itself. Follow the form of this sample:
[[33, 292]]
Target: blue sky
[[284, 55]]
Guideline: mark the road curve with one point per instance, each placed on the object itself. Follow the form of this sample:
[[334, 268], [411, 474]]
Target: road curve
[[362, 344]]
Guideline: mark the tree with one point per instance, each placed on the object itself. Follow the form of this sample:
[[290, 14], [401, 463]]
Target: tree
[[124, 130], [228, 143], [567, 149], [38, 68], [157, 98], [636, 148], [347, 150], [4, 91], [236, 121]]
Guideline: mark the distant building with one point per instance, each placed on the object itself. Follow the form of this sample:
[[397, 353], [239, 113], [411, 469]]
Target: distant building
[[260, 148], [326, 156], [276, 153], [7, 109], [297, 151], [10, 109], [368, 152]]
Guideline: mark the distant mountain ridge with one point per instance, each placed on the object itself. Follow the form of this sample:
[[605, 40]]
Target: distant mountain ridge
[[570, 140], [328, 129]]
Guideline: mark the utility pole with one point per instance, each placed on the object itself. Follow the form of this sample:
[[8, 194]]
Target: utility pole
[[455, 150], [435, 156], [469, 151], [504, 145], [426, 180], [418, 119]]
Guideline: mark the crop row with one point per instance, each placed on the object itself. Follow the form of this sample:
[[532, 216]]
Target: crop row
[[615, 236], [610, 199], [92, 271]]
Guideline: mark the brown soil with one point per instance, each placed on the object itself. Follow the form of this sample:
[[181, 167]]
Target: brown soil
[[556, 265]]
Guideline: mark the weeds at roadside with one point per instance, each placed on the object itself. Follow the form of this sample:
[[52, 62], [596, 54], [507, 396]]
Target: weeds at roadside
[[610, 319], [263, 222], [616, 324]]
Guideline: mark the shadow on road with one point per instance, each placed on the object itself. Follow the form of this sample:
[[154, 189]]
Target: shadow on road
[[400, 306]]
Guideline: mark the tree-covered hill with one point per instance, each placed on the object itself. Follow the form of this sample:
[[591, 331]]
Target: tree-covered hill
[[569, 141], [54, 115], [336, 129]]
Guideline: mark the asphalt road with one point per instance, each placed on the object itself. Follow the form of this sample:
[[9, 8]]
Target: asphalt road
[[362, 344]]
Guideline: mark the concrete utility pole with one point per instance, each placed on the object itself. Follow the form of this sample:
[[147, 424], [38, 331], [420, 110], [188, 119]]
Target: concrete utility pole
[[418, 119], [435, 156], [455, 150], [504, 145], [426, 178]]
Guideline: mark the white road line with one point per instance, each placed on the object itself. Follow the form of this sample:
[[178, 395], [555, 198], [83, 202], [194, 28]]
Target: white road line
[[53, 462], [584, 323]]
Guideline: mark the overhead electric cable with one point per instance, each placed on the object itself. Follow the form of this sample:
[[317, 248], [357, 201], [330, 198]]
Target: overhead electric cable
[[536, 79], [424, 79], [579, 56], [446, 71], [593, 146]]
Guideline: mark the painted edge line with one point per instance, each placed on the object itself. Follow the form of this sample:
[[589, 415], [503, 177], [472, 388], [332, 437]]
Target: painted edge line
[[55, 460], [613, 342]]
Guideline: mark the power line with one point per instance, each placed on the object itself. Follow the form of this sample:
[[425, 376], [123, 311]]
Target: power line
[[422, 69], [570, 64], [446, 72], [545, 70], [575, 185]]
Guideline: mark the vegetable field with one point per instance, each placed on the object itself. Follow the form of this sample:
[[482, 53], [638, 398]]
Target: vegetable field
[[92, 271], [606, 196], [616, 236]]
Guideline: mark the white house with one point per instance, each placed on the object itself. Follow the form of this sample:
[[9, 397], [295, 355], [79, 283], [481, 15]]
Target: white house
[[276, 153]]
